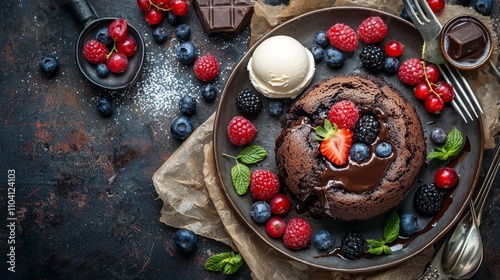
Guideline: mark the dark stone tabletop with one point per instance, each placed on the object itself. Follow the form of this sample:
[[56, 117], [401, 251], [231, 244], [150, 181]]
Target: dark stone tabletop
[[84, 200]]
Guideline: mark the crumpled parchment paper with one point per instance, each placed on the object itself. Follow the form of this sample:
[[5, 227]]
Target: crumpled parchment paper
[[188, 183], [193, 198]]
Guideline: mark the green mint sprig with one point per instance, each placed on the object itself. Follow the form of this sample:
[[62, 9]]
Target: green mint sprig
[[240, 173], [391, 232], [228, 262], [451, 148]]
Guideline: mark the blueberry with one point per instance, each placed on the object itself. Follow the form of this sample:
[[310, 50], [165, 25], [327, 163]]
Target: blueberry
[[102, 70], [183, 32], [102, 36], [334, 57], [185, 240], [483, 7], [104, 107], [438, 135], [172, 18], [317, 52], [383, 150], [49, 64], [321, 39], [359, 152], [408, 224], [209, 93], [323, 240], [160, 34], [391, 65], [260, 212], [186, 52], [187, 105], [275, 108], [181, 127]]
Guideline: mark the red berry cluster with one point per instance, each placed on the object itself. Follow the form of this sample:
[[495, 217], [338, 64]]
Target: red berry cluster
[[371, 30], [424, 76], [116, 59], [153, 9]]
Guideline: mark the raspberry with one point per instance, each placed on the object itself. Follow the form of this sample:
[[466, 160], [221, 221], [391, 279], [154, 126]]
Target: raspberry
[[372, 58], [297, 234], [206, 68], [240, 131], [411, 71], [353, 245], [372, 30], [366, 129], [264, 184], [428, 200], [342, 37], [248, 102], [344, 114], [95, 52]]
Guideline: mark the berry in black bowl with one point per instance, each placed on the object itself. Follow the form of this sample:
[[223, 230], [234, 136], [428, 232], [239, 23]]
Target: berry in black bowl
[[185, 240]]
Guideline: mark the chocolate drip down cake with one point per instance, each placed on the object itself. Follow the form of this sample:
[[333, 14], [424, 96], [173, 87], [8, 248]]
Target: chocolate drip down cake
[[356, 190]]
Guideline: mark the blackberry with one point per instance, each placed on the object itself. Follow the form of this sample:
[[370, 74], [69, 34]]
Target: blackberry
[[373, 58], [428, 200], [248, 102], [353, 245], [366, 129]]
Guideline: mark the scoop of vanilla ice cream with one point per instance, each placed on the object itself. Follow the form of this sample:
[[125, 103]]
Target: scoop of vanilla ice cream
[[281, 67]]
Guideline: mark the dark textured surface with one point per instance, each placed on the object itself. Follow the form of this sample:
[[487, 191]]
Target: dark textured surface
[[85, 203]]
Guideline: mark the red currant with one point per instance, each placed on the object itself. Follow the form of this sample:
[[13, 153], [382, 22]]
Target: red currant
[[275, 227], [117, 62], [143, 5], [117, 29], [179, 7], [432, 73], [446, 177], [127, 46], [444, 90], [163, 4], [280, 204], [436, 5], [394, 48], [422, 91], [153, 16], [434, 104]]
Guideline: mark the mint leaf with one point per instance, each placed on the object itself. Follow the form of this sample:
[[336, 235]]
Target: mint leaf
[[373, 243], [387, 250], [240, 175], [252, 154], [233, 264], [391, 229], [376, 250], [228, 263], [217, 262], [451, 148]]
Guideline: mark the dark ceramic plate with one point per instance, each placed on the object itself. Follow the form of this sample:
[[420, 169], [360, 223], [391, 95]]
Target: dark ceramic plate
[[468, 164]]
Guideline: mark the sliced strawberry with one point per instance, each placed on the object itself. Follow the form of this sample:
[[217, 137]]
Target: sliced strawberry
[[336, 142]]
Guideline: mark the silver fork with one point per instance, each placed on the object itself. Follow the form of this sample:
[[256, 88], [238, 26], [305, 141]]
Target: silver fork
[[430, 28]]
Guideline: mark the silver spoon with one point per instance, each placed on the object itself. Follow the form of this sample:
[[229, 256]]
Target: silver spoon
[[463, 250], [458, 261]]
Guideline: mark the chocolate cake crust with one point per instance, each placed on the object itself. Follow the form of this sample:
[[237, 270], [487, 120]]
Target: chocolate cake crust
[[303, 169]]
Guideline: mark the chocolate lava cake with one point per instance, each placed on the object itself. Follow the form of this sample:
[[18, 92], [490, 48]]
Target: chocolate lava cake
[[355, 191]]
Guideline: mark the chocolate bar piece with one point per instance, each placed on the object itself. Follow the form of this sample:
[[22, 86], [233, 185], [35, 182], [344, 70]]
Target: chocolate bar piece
[[224, 16], [466, 41]]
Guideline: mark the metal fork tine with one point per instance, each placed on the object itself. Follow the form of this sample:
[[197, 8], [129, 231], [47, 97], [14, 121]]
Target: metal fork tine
[[460, 107], [469, 90], [459, 85]]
